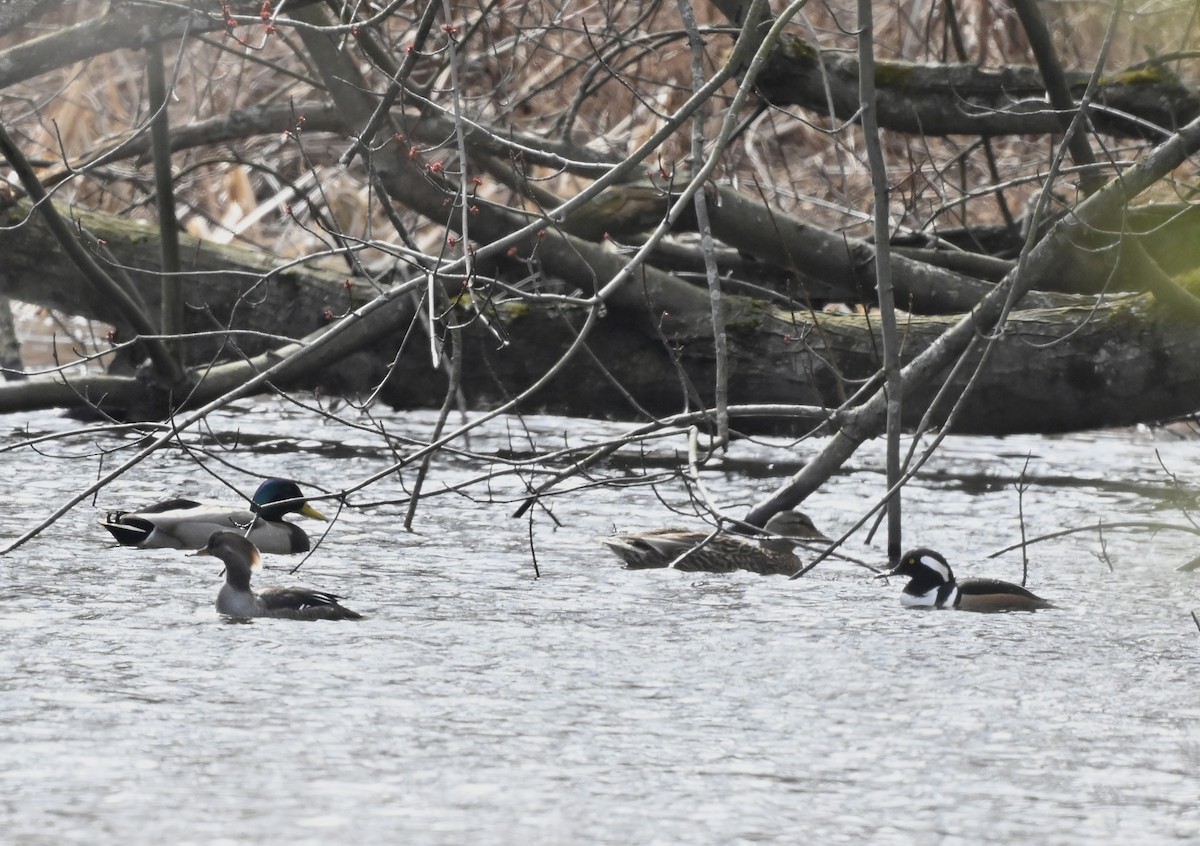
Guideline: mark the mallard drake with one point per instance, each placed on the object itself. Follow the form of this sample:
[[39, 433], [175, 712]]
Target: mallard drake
[[932, 585], [186, 524], [722, 554], [237, 599]]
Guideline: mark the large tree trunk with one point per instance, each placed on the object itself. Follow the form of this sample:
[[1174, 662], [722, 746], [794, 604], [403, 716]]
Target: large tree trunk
[[220, 281], [1054, 370], [964, 99]]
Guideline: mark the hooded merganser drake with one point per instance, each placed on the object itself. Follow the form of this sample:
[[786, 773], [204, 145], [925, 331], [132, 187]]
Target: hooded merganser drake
[[236, 599], [932, 585], [723, 554], [186, 524]]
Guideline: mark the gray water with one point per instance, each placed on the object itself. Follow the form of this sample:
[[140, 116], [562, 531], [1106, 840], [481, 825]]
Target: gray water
[[479, 704]]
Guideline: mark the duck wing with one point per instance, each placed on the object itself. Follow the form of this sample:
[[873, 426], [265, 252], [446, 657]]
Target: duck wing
[[723, 554], [175, 524], [304, 604], [653, 549], [728, 555], [977, 592]]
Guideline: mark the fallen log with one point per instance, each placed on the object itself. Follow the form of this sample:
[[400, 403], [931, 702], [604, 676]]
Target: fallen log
[[1055, 369]]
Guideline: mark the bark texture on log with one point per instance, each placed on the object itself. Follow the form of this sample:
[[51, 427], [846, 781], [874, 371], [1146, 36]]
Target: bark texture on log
[[963, 99], [1054, 370], [224, 286], [949, 99]]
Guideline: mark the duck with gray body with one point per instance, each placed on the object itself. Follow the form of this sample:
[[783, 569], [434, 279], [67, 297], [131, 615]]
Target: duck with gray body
[[772, 555], [932, 585], [186, 524], [237, 599]]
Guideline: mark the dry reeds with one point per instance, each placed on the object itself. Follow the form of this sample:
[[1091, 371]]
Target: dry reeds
[[592, 78]]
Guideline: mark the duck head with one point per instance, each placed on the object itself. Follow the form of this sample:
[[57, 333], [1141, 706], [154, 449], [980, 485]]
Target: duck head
[[277, 497]]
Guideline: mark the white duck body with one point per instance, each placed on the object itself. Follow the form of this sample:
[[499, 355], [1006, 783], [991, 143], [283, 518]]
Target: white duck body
[[188, 524]]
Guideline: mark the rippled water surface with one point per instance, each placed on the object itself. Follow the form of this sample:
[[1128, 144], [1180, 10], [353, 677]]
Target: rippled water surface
[[479, 704]]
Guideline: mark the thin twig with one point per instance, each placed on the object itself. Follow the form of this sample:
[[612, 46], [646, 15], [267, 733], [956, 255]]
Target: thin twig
[[894, 387], [164, 362], [1096, 527], [716, 302], [1022, 486]]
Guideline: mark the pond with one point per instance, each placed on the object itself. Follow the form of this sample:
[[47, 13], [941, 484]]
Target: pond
[[480, 703]]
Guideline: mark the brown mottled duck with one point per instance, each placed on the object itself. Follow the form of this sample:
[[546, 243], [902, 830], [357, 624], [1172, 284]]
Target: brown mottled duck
[[769, 556]]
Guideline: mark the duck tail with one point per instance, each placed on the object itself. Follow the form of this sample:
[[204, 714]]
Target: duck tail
[[635, 558], [129, 531]]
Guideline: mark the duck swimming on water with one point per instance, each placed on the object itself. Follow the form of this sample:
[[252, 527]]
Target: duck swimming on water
[[187, 524], [724, 553], [237, 599], [932, 585]]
